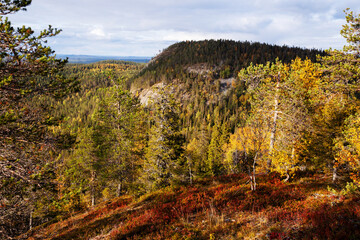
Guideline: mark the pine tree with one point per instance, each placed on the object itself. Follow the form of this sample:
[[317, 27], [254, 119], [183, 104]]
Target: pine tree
[[127, 120], [165, 146], [29, 78], [351, 32], [342, 78], [109, 150], [219, 138]]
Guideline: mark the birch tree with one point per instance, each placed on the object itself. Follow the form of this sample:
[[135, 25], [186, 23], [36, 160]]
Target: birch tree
[[282, 97]]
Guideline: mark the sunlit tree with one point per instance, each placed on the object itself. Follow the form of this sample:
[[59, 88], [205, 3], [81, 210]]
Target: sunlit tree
[[165, 146], [28, 79]]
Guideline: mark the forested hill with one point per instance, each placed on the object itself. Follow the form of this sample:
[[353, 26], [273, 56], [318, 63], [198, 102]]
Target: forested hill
[[203, 78], [223, 57], [219, 149]]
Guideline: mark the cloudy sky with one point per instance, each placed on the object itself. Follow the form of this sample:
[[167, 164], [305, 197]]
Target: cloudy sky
[[144, 27]]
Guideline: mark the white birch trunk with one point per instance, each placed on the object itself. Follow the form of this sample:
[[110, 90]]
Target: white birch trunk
[[31, 220], [118, 192], [274, 122]]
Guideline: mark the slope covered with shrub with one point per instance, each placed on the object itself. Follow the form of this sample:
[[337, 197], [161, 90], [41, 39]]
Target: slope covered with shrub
[[222, 208], [213, 109], [274, 117]]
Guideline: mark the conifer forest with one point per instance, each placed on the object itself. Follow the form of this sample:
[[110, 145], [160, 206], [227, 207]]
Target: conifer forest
[[211, 139]]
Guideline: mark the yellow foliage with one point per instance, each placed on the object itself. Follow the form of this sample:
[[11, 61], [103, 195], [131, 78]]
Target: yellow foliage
[[107, 194], [284, 163], [306, 74], [346, 157], [350, 155], [246, 139]]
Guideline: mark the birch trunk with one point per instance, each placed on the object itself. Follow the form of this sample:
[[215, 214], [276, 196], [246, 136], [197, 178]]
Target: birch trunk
[[274, 122], [253, 173], [334, 177], [31, 220], [118, 191], [93, 176], [190, 173]]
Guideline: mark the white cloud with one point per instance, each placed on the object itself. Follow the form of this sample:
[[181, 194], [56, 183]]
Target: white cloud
[[98, 33], [142, 27]]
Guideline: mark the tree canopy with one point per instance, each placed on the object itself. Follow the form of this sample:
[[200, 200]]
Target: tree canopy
[[29, 76], [74, 135]]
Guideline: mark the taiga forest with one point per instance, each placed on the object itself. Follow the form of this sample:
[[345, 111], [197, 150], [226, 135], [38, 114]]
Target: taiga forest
[[211, 139]]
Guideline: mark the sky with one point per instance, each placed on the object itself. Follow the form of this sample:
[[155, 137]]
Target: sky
[[145, 27]]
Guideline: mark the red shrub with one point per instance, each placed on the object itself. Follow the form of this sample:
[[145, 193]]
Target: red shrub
[[333, 222]]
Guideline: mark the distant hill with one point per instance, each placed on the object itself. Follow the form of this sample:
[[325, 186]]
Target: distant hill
[[203, 75], [92, 59], [223, 58]]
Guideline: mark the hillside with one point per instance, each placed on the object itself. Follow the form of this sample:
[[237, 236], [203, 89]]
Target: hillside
[[209, 140], [210, 124], [221, 208], [215, 58], [203, 76]]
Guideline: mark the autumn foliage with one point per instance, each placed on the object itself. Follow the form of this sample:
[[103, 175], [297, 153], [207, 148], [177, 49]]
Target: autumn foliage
[[213, 139], [224, 208]]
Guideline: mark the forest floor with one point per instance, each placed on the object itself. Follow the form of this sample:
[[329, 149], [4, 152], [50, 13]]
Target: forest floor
[[308, 207]]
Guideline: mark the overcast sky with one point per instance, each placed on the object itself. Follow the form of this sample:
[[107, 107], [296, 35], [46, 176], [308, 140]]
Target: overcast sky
[[144, 27]]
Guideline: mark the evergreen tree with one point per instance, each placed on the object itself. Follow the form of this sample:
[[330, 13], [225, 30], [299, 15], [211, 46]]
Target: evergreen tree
[[219, 138], [351, 32], [29, 79], [342, 91], [127, 119], [214, 152], [165, 146], [196, 153], [109, 150]]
